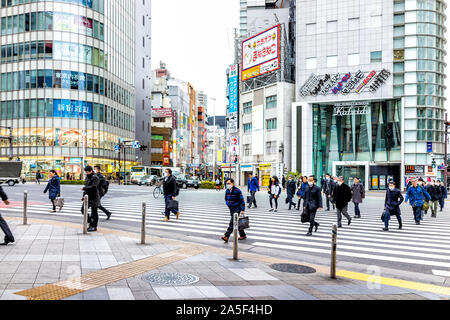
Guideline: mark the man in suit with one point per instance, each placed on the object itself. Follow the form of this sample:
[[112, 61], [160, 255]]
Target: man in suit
[[328, 188], [312, 203], [342, 196], [392, 204], [9, 238]]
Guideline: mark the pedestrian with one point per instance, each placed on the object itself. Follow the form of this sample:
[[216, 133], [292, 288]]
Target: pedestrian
[[358, 194], [283, 182], [23, 178], [312, 202], [328, 188], [53, 188], [103, 187], [291, 187], [342, 196], [253, 187], [218, 183], [303, 184], [392, 204], [9, 238], [274, 193], [435, 193], [90, 189], [38, 177], [236, 203], [170, 189], [444, 195], [416, 195]]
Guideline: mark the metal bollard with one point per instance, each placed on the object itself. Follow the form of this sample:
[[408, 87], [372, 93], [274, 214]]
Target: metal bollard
[[25, 207], [333, 252], [235, 236], [85, 214], [144, 212]]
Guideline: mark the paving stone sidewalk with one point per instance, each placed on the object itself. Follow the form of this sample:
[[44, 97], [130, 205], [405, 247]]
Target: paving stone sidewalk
[[49, 253]]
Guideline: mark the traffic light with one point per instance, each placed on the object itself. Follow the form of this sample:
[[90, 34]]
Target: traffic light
[[433, 164], [143, 148]]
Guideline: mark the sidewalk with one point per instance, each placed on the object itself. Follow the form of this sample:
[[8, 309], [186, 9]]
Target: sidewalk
[[54, 260]]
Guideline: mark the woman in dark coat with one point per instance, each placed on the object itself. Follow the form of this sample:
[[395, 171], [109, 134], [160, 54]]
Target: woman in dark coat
[[53, 188]]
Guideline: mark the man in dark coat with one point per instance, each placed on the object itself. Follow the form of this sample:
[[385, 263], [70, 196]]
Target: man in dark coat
[[291, 187], [435, 193], [342, 196], [328, 188], [9, 238], [312, 203], [102, 189], [91, 190], [236, 203], [53, 188], [392, 204], [170, 192], [358, 194], [444, 194]]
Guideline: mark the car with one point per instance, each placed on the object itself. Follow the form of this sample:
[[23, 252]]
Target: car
[[193, 182], [182, 182], [148, 180]]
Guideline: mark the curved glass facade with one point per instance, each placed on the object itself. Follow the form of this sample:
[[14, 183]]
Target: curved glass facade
[[67, 82], [419, 32]]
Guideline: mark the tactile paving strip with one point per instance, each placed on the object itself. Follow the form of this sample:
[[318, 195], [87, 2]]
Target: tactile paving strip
[[67, 288]]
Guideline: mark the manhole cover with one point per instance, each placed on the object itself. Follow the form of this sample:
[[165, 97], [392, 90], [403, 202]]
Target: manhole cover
[[171, 279], [292, 268]]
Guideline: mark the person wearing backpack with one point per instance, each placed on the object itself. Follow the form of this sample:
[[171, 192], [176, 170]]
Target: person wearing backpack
[[103, 187], [170, 190], [416, 195]]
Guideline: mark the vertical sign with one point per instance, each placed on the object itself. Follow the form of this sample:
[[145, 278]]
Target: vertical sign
[[429, 147], [233, 99]]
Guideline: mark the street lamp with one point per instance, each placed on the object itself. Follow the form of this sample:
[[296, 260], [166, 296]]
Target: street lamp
[[214, 141]]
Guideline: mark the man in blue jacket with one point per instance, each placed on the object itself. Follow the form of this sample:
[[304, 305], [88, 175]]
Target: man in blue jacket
[[236, 203], [392, 204], [253, 187], [416, 195]]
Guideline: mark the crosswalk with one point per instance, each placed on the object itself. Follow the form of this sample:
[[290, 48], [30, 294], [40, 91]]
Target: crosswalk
[[425, 246]]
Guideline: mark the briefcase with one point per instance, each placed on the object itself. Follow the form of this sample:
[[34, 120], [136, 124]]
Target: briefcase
[[173, 205], [244, 223], [304, 217], [59, 202]]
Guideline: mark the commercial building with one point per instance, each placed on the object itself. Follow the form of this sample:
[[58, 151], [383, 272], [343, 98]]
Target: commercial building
[[370, 89], [68, 80]]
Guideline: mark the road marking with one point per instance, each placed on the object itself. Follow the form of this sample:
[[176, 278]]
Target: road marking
[[441, 273]]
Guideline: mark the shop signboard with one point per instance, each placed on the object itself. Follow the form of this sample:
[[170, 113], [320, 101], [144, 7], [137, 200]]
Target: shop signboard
[[415, 170], [73, 109]]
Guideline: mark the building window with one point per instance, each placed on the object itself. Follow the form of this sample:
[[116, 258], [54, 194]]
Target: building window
[[248, 107], [353, 24], [271, 102], [247, 150], [332, 61], [332, 26], [247, 127], [271, 147], [159, 120], [310, 28], [353, 59], [399, 18], [375, 21], [271, 124], [376, 56], [399, 55], [311, 63]]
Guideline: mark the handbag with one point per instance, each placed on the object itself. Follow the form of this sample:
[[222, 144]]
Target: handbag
[[383, 216], [426, 206], [304, 217], [244, 223], [173, 205], [59, 202]]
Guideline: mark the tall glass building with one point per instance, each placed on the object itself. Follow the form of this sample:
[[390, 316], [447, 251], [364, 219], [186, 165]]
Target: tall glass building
[[370, 99], [67, 82]]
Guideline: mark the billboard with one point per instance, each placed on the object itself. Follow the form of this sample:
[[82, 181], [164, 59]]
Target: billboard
[[73, 109], [261, 53], [233, 89]]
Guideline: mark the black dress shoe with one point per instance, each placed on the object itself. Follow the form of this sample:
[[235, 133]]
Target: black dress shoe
[[400, 227], [385, 229], [350, 222], [309, 234], [108, 216], [340, 226], [317, 227], [92, 229]]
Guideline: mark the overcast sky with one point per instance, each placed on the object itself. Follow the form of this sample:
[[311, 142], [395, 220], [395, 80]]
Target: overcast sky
[[195, 40]]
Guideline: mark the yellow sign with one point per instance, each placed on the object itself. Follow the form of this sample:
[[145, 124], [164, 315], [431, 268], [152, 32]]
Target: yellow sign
[[251, 73], [219, 156], [265, 166], [265, 181], [375, 182]]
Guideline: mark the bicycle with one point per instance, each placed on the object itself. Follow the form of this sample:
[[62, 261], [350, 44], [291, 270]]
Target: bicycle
[[158, 191]]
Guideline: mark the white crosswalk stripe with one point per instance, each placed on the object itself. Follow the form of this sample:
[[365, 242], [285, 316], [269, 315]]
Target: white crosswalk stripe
[[424, 245]]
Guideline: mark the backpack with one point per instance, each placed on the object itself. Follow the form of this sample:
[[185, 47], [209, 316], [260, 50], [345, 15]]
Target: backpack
[[105, 187]]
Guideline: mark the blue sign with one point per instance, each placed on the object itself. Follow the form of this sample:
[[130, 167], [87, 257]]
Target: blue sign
[[116, 148], [429, 147], [233, 89], [73, 109], [136, 145]]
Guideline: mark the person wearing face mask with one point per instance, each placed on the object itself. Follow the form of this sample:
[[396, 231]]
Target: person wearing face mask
[[291, 187], [53, 188], [435, 193], [236, 203], [444, 195], [342, 196], [416, 195], [102, 189], [274, 193], [311, 203], [392, 204], [91, 190], [170, 190], [328, 188], [358, 194], [301, 191]]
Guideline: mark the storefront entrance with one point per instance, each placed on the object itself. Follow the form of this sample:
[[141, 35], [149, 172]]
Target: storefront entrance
[[350, 173]]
